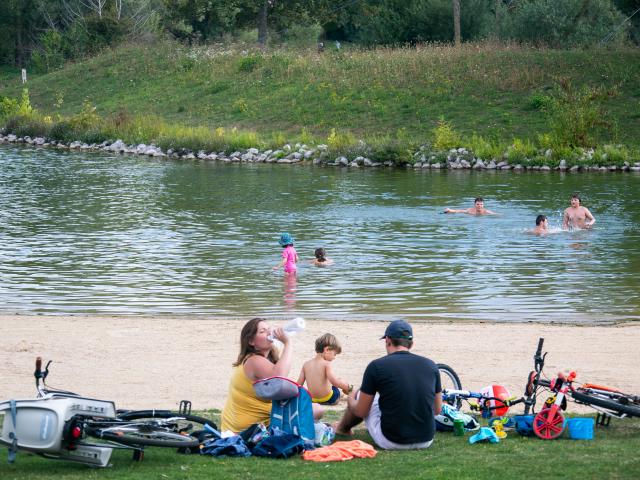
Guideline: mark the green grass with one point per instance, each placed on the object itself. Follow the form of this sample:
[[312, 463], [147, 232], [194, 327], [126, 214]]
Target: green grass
[[485, 88], [613, 454]]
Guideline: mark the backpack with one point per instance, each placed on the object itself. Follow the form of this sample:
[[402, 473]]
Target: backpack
[[279, 445], [292, 414]]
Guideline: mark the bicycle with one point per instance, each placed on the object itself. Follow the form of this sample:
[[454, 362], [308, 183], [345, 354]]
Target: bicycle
[[57, 424], [549, 422]]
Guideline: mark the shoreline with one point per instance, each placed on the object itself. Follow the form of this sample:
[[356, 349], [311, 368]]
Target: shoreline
[[144, 362], [453, 159]]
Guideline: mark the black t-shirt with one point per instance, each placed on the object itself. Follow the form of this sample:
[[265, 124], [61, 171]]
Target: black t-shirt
[[407, 385]]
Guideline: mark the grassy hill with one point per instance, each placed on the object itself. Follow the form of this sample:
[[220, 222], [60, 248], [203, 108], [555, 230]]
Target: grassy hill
[[495, 91]]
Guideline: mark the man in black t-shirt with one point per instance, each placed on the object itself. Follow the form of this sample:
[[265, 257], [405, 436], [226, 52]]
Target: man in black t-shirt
[[399, 397]]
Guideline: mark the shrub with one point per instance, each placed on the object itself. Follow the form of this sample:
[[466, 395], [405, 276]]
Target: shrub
[[575, 116], [538, 101], [485, 149], [249, 63], [445, 137], [340, 142], [86, 119]]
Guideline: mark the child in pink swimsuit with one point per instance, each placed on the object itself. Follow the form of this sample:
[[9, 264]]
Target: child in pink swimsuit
[[289, 255]]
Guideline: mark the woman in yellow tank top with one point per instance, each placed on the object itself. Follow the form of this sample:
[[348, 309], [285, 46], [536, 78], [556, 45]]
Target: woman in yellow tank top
[[258, 359]]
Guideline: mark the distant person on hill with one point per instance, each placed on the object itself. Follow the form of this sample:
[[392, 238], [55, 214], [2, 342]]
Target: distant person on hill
[[477, 209], [322, 384], [542, 225], [321, 259], [289, 254], [577, 217]]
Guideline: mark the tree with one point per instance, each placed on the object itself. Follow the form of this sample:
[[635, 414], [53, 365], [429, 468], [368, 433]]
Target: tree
[[456, 22]]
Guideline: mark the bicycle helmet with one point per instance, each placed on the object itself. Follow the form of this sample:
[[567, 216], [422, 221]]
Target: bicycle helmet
[[444, 420]]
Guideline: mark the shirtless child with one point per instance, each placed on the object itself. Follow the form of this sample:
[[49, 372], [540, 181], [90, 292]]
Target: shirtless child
[[577, 217], [322, 384], [477, 209]]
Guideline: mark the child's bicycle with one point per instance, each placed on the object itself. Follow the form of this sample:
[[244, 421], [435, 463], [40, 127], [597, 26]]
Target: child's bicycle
[[58, 423], [549, 422]]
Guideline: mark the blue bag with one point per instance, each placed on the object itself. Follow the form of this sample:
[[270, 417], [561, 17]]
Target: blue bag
[[279, 445], [291, 412], [229, 447], [524, 424]]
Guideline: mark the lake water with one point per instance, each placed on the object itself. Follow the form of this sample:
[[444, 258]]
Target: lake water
[[94, 233]]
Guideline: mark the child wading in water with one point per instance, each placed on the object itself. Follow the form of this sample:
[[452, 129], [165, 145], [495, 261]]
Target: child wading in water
[[289, 255], [321, 259], [322, 384]]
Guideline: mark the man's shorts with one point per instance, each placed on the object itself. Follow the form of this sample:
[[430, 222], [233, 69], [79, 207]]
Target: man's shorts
[[373, 421]]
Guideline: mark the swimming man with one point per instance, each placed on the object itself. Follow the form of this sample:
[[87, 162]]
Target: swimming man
[[542, 225], [477, 209], [577, 216]]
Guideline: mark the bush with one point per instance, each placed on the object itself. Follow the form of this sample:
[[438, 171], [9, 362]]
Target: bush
[[575, 116], [485, 149], [445, 137], [249, 63]]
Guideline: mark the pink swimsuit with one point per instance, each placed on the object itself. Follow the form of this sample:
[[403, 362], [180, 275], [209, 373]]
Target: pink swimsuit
[[289, 254]]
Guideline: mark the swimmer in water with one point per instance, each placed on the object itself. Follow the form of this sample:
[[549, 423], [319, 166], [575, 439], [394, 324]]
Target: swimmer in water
[[542, 226], [577, 217], [321, 259], [477, 209]]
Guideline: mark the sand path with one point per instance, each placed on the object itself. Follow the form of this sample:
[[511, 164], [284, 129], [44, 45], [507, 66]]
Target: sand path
[[156, 362]]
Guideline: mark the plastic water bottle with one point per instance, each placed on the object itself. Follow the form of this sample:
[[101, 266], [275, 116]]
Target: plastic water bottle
[[292, 327]]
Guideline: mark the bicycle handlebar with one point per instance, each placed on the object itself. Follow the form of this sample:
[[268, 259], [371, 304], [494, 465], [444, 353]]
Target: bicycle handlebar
[[540, 343]]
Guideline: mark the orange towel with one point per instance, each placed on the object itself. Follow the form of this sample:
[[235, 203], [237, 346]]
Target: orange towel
[[340, 451]]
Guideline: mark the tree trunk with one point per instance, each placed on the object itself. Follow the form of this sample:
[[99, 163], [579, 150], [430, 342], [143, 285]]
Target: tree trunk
[[262, 23], [456, 22]]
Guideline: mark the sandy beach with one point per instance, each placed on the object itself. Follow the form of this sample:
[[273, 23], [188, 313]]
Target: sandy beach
[[156, 362]]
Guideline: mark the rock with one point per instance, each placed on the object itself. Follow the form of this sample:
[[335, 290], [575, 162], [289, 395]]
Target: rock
[[253, 151], [454, 165], [354, 164], [635, 168], [426, 165], [39, 141], [479, 165], [505, 167], [322, 147], [502, 164], [465, 164], [247, 157], [296, 155], [545, 168], [417, 165], [436, 165], [307, 154], [342, 161], [317, 161], [603, 169], [563, 165], [11, 137], [575, 168], [613, 168], [491, 165], [366, 162], [548, 152], [284, 160]]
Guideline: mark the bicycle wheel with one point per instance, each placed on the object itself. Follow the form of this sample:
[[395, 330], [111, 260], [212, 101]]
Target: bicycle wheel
[[184, 423], [606, 403], [143, 434], [547, 428], [450, 381]]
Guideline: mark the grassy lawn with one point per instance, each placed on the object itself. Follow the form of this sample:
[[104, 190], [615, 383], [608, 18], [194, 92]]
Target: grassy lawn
[[486, 89], [612, 454]]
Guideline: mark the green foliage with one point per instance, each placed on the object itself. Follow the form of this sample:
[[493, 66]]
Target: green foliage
[[51, 54], [612, 155], [340, 141], [8, 107], [569, 23], [576, 115], [484, 148], [86, 119], [249, 63], [538, 101], [445, 136]]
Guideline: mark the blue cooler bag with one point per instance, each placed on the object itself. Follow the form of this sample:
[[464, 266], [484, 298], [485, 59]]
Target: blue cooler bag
[[580, 428]]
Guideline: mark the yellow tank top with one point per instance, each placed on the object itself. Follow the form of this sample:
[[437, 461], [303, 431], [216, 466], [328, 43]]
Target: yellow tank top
[[243, 407]]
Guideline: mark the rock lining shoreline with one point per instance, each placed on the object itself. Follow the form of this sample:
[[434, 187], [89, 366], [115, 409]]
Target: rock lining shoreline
[[456, 159]]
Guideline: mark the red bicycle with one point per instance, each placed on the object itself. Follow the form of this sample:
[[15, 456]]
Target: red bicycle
[[549, 422]]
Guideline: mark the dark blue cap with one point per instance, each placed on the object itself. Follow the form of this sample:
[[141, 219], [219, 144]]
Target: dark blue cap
[[398, 329]]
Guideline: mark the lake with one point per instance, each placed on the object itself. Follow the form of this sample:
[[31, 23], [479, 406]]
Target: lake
[[89, 233]]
